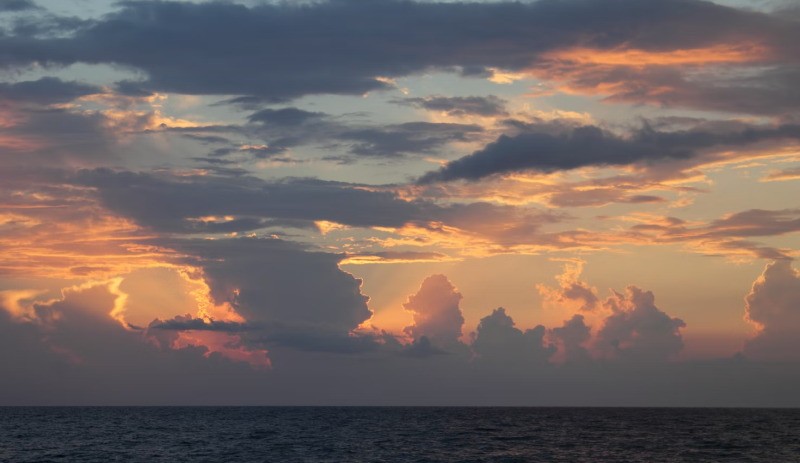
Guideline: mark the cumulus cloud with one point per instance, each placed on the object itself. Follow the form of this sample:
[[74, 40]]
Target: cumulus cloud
[[421, 347], [275, 294], [637, 330], [274, 281], [436, 312], [83, 356], [571, 290], [498, 341], [84, 327], [773, 304], [572, 339], [76, 353]]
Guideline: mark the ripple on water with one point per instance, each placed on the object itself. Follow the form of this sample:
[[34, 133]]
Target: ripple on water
[[311, 434]]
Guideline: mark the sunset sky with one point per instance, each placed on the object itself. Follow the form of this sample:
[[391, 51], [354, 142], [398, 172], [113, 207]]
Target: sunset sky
[[552, 202]]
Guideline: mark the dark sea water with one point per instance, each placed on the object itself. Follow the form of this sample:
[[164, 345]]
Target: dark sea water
[[330, 434]]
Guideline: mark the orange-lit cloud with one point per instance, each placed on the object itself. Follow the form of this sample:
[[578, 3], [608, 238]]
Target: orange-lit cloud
[[782, 175], [773, 307], [225, 344], [65, 242], [624, 56], [436, 312], [19, 303], [572, 293], [637, 329], [395, 257]]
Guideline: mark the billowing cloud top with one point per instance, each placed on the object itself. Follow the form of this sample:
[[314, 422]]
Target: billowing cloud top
[[330, 201]]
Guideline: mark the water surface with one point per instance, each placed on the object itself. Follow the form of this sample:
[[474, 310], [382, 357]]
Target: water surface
[[375, 434]]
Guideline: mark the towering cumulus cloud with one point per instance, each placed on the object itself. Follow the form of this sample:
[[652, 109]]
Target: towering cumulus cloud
[[500, 342], [637, 329], [571, 290], [773, 304], [572, 338], [300, 298], [436, 311]]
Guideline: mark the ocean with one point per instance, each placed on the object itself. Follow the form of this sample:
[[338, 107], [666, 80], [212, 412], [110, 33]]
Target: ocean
[[397, 434]]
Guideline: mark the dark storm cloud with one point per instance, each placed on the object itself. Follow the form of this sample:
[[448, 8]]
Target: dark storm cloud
[[407, 138], [179, 204], [291, 297], [284, 116], [302, 199], [189, 323], [270, 281], [208, 139], [545, 150], [131, 88], [272, 335], [275, 52], [289, 127], [47, 90], [460, 105], [308, 339], [17, 5], [55, 134]]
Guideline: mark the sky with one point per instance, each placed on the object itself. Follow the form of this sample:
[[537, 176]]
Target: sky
[[390, 202]]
